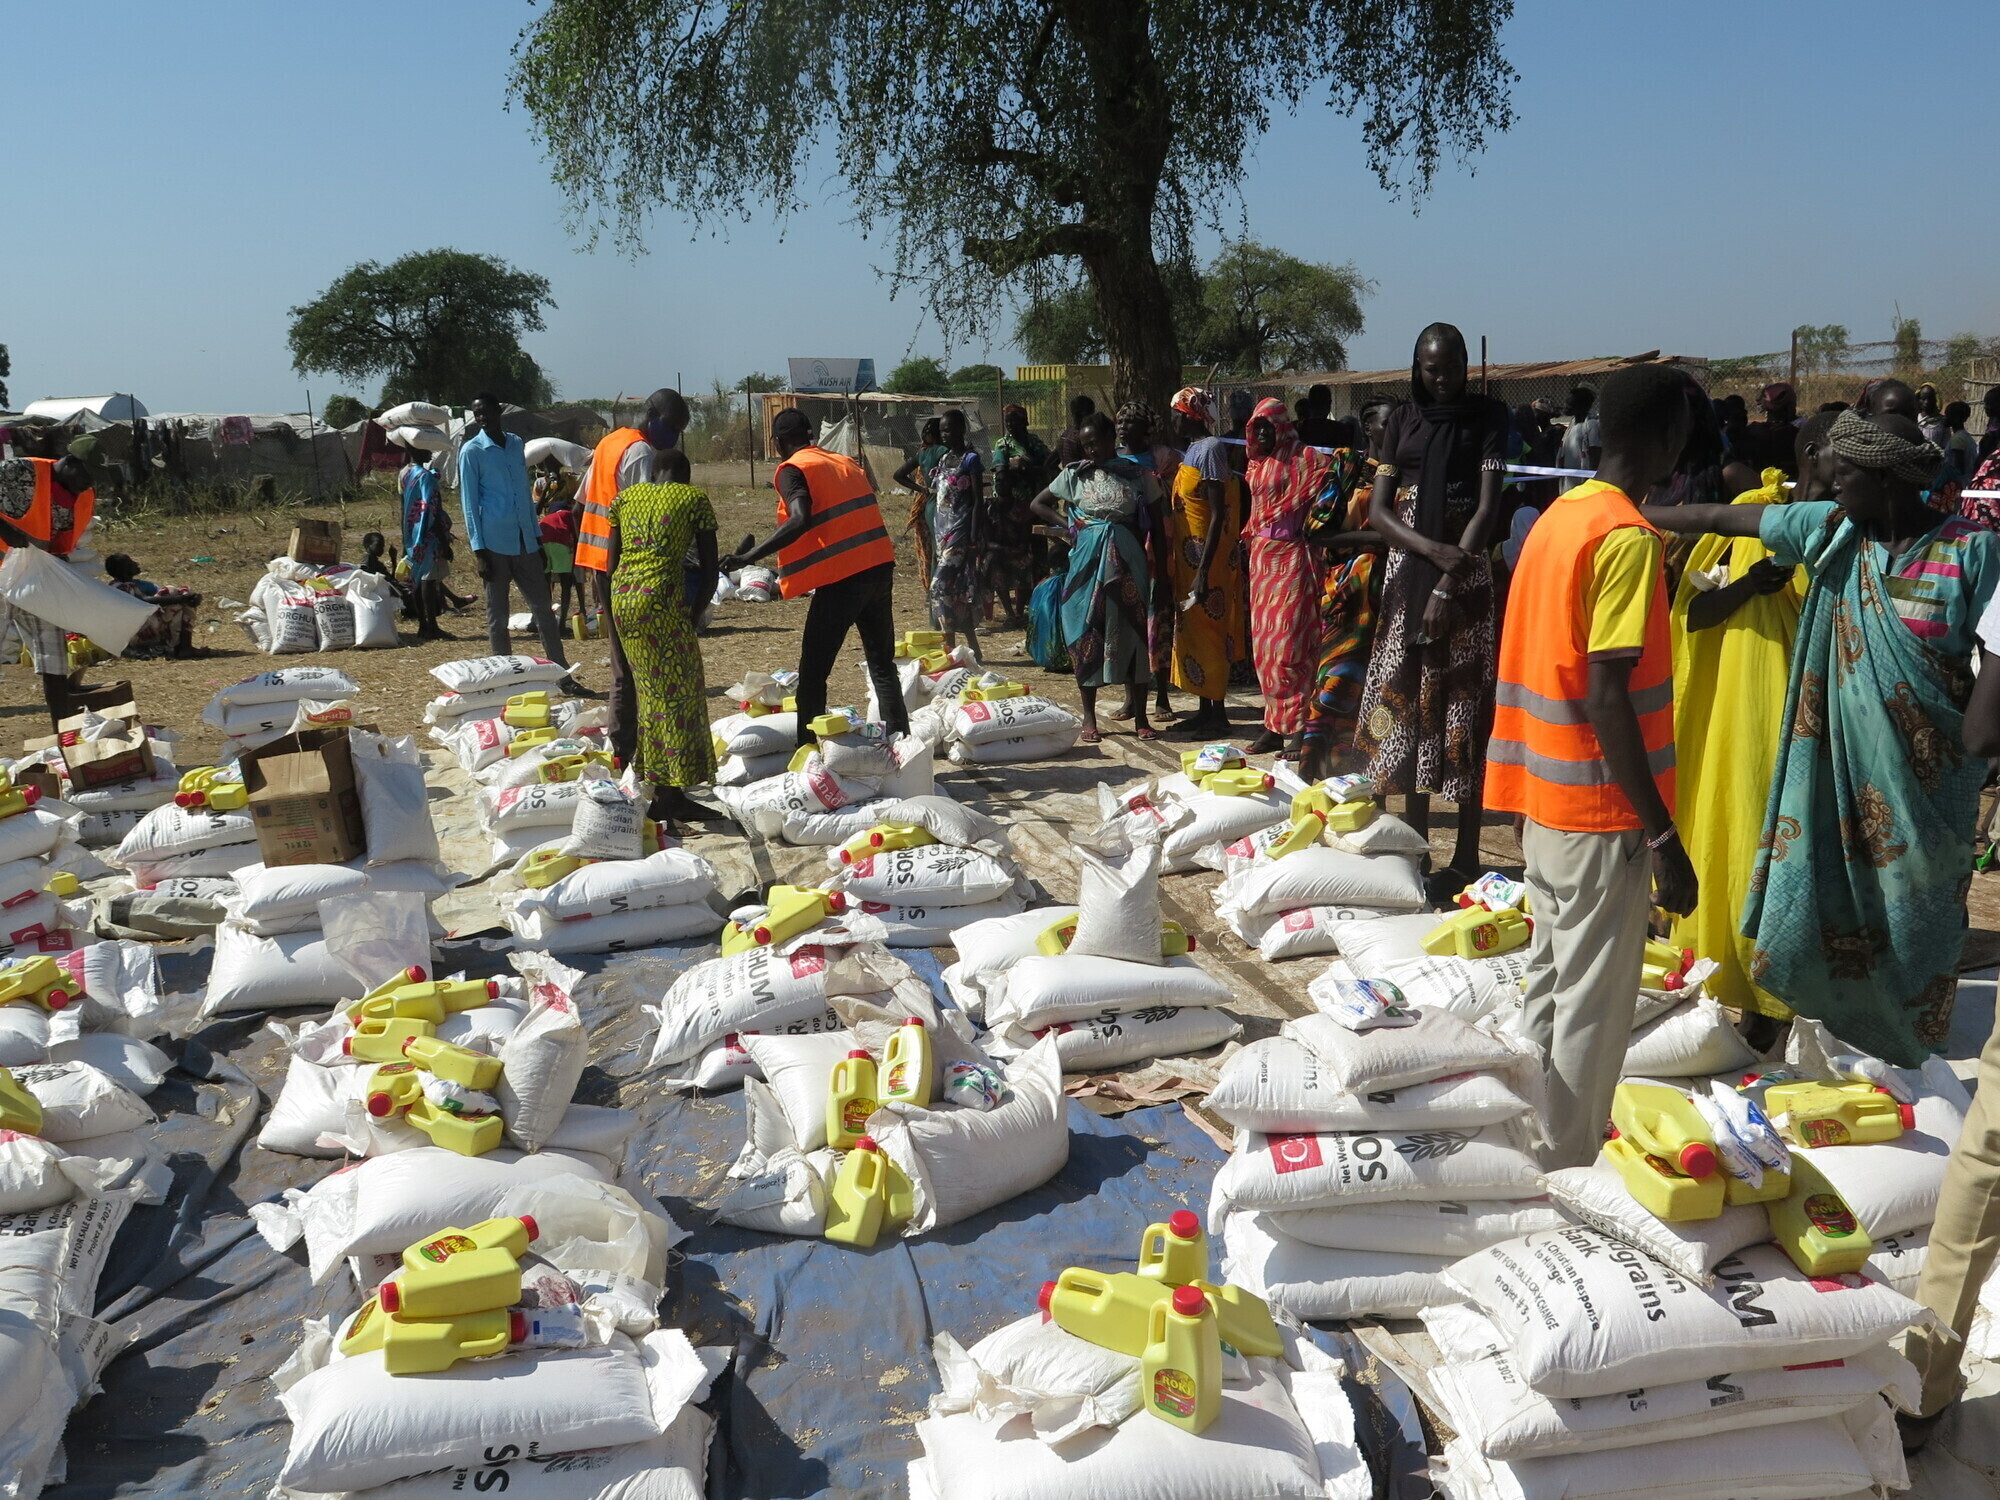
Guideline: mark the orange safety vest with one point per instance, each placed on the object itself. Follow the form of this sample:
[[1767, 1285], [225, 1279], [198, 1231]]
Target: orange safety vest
[[1544, 759], [593, 520], [59, 522], [846, 536]]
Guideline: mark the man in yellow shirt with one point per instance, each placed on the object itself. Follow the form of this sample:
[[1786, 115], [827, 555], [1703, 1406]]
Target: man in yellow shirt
[[1583, 750]]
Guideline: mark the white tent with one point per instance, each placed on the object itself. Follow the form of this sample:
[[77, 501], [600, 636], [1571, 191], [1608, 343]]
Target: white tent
[[112, 408]]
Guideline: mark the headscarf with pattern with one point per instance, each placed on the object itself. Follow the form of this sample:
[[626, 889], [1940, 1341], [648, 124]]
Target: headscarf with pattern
[[1193, 401], [1868, 446]]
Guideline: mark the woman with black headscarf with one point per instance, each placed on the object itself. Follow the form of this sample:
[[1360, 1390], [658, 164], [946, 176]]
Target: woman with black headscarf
[[1428, 706]]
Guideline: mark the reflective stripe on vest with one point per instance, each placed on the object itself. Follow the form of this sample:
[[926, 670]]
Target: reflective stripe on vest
[[1544, 759], [46, 520], [593, 517], [846, 535]]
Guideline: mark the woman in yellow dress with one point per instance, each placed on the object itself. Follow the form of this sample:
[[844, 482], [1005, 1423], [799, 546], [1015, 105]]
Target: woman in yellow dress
[[1204, 564], [1734, 618]]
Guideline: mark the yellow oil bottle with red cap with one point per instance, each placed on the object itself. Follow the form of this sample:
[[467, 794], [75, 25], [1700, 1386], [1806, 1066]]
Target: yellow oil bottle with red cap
[[545, 867], [851, 1097], [1836, 1114], [38, 981], [1243, 781], [858, 1203], [529, 739], [461, 1271], [883, 838], [914, 643], [1306, 830], [1219, 758], [993, 692], [1475, 932], [909, 1063], [1665, 966], [1112, 1309], [381, 1039], [453, 1063], [1180, 1372], [1815, 1226], [468, 1135], [20, 1110], [393, 1088], [1174, 1253], [426, 1002], [513, 1233], [789, 911], [527, 710], [1664, 1153]]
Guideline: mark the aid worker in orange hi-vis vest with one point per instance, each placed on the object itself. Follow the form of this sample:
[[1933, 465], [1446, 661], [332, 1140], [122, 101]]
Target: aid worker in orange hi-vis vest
[[831, 543], [623, 457], [44, 503], [1583, 750]]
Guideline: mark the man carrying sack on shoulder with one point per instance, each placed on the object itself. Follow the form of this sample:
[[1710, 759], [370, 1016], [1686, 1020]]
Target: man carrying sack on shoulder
[[45, 503], [831, 543]]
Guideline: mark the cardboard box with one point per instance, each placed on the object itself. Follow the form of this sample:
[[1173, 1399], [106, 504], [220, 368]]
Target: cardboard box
[[41, 778], [303, 801], [315, 542], [112, 758]]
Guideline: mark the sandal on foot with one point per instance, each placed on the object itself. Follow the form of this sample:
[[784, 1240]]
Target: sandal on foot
[[1091, 737]]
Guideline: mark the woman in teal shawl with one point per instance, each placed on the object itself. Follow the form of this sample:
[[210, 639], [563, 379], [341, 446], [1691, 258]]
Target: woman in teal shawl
[[1110, 505], [1857, 903]]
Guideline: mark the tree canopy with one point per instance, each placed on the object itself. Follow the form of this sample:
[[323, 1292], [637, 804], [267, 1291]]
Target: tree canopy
[[996, 141], [977, 374], [437, 325], [1253, 310], [342, 411], [919, 375]]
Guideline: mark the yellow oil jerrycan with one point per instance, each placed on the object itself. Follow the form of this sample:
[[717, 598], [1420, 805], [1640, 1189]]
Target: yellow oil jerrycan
[[914, 643], [561, 768], [883, 838], [858, 1203], [1836, 1114], [527, 710], [545, 867], [38, 981], [513, 1233], [1175, 939], [1306, 830], [213, 788], [1816, 1227], [1245, 1320], [1475, 932], [1243, 782], [993, 692], [908, 1065], [1664, 1193], [851, 1097], [453, 1063], [427, 1000], [1175, 1252], [1663, 1122], [827, 726], [1180, 1372], [393, 1088], [20, 1110], [1351, 817], [1775, 1186], [62, 885], [423, 1346], [468, 1135], [529, 739], [1111, 1309], [469, 1281], [381, 1040], [792, 910], [1208, 759]]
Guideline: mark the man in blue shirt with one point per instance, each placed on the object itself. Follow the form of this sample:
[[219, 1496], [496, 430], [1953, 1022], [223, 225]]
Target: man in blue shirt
[[501, 528]]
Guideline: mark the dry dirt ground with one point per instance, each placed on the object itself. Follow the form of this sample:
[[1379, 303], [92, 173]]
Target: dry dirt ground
[[223, 555]]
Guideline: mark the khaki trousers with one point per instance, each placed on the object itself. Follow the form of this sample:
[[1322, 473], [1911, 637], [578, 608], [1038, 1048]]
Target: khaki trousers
[[1964, 1239], [1591, 894]]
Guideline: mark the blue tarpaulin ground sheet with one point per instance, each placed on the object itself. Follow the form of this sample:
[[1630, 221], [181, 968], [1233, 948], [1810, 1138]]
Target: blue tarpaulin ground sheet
[[831, 1365]]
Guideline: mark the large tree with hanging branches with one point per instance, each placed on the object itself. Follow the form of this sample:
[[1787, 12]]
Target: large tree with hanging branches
[[1005, 147]]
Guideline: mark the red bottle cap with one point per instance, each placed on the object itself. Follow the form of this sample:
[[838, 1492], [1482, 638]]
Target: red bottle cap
[[1047, 1296], [492, 989], [836, 902], [528, 1223], [1908, 1114], [875, 840], [859, 1052], [1183, 1224], [1190, 1301], [1687, 958], [517, 1325], [347, 1046], [390, 1296], [1673, 982], [866, 1143], [379, 1105], [416, 973], [1464, 900], [1698, 1160], [916, 1021], [31, 795], [761, 934], [1192, 944]]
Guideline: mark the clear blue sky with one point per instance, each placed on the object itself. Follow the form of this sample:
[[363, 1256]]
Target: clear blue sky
[[1700, 176]]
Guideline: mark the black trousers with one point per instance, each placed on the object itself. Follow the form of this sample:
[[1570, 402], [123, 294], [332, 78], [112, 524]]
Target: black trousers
[[863, 602]]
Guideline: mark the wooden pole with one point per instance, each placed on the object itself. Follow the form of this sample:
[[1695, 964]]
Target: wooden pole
[[1482, 365], [1793, 373]]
